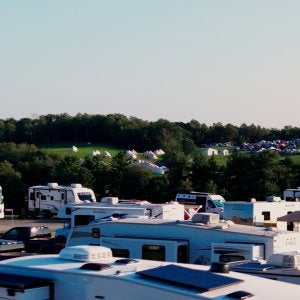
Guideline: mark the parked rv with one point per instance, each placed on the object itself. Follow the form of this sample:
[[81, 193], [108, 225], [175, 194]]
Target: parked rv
[[112, 207], [201, 202], [89, 272], [47, 199], [260, 213], [292, 194], [188, 241]]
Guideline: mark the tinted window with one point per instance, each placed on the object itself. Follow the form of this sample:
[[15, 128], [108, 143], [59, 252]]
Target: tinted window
[[230, 258], [83, 219], [154, 252], [267, 215], [120, 252], [182, 254]]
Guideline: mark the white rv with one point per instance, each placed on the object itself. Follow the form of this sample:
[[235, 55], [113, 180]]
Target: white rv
[[112, 207], [89, 272], [260, 213], [188, 241], [201, 202], [48, 199], [292, 194]]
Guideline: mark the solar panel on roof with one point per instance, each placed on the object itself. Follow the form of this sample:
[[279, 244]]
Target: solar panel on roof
[[198, 279]]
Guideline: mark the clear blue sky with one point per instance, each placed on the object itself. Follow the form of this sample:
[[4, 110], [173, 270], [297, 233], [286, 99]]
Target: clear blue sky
[[228, 61]]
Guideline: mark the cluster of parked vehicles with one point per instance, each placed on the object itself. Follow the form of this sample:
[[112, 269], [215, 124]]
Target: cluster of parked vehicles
[[195, 228]]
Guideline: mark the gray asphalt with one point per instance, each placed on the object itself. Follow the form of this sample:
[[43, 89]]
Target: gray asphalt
[[9, 222]]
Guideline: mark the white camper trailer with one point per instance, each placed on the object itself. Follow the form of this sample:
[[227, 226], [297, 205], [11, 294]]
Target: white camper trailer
[[260, 213], [292, 194], [188, 241], [48, 199], [112, 207]]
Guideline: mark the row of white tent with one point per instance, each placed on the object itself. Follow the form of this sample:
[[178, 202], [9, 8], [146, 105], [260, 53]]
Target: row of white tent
[[94, 152], [212, 151], [131, 154]]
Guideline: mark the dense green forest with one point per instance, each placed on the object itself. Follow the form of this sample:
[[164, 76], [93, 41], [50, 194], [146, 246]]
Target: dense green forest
[[24, 163], [119, 130]]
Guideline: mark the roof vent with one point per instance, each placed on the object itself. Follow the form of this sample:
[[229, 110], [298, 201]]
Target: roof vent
[[221, 226], [76, 185], [219, 267], [95, 267], [207, 218], [52, 185], [85, 253], [240, 295], [110, 200], [273, 199], [125, 261]]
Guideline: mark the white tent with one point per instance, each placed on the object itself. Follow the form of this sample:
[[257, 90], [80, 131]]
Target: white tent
[[74, 149], [210, 151], [106, 154]]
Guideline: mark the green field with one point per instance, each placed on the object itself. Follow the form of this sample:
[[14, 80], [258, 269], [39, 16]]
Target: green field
[[83, 149], [87, 149]]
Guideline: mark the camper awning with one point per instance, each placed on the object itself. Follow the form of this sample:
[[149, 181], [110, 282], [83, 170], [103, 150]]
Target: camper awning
[[292, 217]]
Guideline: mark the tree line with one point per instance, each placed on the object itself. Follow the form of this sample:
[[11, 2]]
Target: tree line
[[22, 164], [131, 132]]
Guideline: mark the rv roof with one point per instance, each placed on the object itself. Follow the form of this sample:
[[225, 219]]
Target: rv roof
[[252, 230], [192, 280]]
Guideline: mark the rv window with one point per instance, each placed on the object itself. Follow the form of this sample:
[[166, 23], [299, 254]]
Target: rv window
[[120, 252], [210, 204], [267, 215], [182, 254], [218, 203], [43, 197], [154, 252], [52, 198], [84, 196], [80, 220], [230, 258], [62, 196], [31, 196]]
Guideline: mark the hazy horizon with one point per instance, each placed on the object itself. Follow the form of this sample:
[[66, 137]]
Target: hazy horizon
[[233, 62]]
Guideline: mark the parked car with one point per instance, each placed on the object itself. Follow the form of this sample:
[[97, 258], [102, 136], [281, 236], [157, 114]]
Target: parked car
[[35, 239]]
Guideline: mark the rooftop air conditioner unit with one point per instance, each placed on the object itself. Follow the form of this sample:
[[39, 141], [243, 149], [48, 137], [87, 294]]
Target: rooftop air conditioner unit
[[207, 218]]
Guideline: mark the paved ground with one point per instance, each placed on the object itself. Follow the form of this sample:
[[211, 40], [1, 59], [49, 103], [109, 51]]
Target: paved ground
[[9, 222]]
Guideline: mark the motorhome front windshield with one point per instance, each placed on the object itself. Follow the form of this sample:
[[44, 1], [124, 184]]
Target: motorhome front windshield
[[219, 203], [85, 196]]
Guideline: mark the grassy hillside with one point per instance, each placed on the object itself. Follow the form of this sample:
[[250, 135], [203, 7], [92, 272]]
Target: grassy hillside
[[83, 149], [87, 149]]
